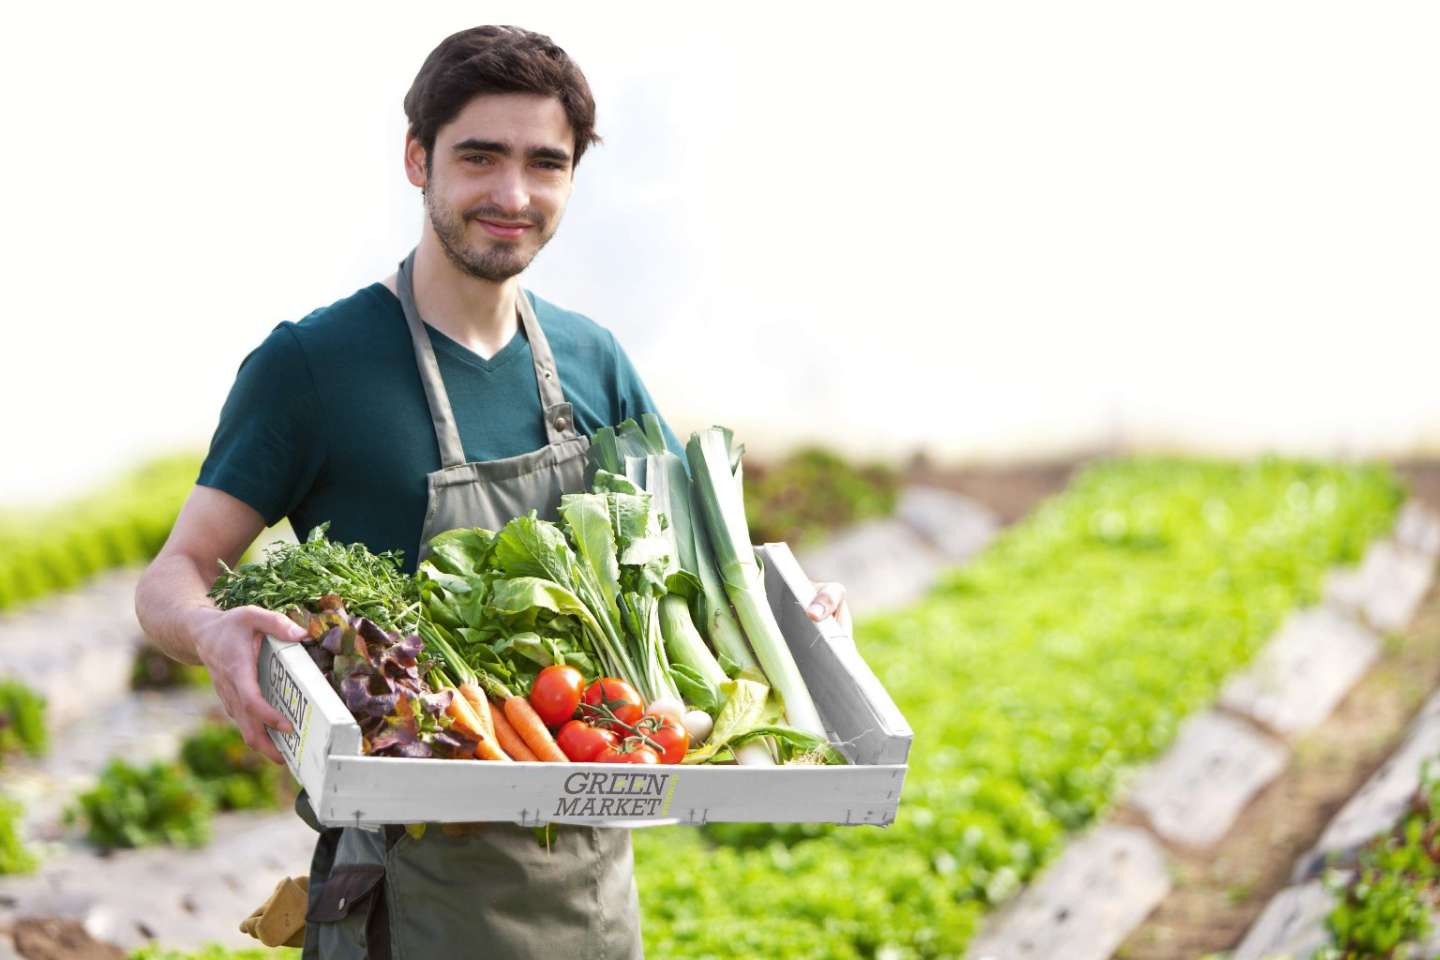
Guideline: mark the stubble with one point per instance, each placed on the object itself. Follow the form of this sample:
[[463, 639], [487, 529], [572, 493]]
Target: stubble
[[497, 262]]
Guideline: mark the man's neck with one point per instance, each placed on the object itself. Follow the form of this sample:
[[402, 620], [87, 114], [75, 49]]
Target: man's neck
[[475, 313]]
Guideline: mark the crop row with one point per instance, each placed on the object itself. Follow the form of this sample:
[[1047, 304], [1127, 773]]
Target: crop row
[[1034, 680], [126, 522], [165, 801], [123, 523]]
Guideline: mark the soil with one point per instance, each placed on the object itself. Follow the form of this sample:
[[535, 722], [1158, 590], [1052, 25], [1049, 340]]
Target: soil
[[1010, 490], [1218, 893], [49, 938]]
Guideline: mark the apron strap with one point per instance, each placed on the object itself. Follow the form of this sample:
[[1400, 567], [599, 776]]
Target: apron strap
[[559, 418], [442, 416]]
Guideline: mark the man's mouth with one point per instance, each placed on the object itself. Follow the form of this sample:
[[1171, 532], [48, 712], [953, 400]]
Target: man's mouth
[[503, 229]]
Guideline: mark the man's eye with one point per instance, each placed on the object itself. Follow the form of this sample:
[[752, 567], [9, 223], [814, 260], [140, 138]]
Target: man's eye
[[477, 158], [552, 165]]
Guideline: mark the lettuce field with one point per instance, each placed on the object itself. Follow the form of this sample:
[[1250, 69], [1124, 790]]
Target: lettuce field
[[1034, 679]]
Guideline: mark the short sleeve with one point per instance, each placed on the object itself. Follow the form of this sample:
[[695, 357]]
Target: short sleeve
[[266, 449], [635, 400]]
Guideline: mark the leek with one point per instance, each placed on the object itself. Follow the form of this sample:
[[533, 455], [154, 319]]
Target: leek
[[713, 464], [663, 475]]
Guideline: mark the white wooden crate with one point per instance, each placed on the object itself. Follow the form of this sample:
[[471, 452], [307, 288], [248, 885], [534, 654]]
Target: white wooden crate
[[346, 788]]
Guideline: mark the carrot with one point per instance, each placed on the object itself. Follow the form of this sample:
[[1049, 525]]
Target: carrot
[[527, 723], [489, 747], [465, 719], [468, 708], [524, 719], [510, 741]]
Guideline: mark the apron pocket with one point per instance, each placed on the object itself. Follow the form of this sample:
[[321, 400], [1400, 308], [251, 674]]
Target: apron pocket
[[349, 914]]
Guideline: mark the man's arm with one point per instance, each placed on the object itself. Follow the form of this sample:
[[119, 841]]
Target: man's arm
[[175, 613]]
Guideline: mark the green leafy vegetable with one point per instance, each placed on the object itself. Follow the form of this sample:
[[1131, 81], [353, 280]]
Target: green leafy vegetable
[[236, 777], [14, 857], [1386, 901], [139, 806], [215, 951], [299, 574], [744, 710], [22, 720], [1034, 679]]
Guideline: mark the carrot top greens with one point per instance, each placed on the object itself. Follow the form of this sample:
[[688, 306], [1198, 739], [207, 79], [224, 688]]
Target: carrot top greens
[[299, 574]]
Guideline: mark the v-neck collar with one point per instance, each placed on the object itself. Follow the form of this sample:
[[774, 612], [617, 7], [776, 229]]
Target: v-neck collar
[[516, 347]]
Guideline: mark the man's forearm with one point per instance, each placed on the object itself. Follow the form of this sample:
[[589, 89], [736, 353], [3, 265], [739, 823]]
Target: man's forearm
[[171, 605]]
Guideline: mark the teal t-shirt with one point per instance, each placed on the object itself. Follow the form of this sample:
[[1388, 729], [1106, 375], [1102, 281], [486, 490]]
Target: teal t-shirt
[[327, 420]]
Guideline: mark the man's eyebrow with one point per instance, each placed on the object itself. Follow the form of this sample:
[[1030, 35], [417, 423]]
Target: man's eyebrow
[[503, 149], [549, 153]]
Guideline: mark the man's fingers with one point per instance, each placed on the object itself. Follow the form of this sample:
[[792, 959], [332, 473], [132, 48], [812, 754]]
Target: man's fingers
[[264, 713], [275, 624], [254, 705], [259, 741], [828, 598]]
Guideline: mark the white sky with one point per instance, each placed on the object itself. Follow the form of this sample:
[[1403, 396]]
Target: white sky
[[1005, 229]]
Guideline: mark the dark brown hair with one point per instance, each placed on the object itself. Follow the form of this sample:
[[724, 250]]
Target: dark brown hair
[[495, 59]]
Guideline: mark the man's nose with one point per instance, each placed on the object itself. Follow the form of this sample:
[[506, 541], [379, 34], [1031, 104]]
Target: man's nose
[[508, 191]]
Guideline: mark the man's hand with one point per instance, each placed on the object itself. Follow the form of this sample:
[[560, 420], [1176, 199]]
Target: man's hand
[[830, 601], [175, 613], [228, 643]]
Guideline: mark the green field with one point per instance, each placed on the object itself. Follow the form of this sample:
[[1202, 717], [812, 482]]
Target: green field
[[1033, 679]]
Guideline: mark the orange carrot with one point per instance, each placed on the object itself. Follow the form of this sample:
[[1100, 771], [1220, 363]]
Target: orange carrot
[[469, 724], [527, 724], [510, 741], [489, 747]]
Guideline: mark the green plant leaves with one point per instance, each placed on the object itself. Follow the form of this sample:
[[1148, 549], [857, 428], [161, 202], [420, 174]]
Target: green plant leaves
[[139, 806], [1034, 678]]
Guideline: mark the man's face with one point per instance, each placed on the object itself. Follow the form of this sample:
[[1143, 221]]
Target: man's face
[[497, 181]]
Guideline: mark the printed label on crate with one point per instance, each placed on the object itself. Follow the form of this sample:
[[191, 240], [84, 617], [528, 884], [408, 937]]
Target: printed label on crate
[[642, 794], [285, 695]]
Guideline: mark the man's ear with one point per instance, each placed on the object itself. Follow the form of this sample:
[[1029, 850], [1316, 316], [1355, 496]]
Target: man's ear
[[415, 161]]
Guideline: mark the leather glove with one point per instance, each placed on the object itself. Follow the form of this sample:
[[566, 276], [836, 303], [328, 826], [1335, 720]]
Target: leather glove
[[280, 920]]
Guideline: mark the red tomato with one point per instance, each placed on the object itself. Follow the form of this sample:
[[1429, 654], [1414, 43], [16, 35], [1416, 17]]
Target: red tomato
[[640, 755], [672, 736], [581, 742], [627, 752], [616, 694], [610, 754], [555, 695]]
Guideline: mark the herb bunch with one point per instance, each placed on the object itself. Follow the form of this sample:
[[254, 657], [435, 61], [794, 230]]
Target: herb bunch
[[298, 574]]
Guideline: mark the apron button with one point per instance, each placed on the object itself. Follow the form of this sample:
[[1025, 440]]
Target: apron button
[[561, 423], [341, 903], [547, 374]]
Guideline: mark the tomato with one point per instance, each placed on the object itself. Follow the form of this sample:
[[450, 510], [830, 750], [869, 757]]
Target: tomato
[[581, 742], [610, 754], [616, 694], [555, 695], [641, 755], [627, 751], [671, 735]]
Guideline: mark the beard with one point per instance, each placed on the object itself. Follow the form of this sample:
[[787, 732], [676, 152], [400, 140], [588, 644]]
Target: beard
[[496, 263]]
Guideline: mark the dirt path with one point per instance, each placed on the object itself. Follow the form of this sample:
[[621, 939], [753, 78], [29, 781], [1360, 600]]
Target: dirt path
[[1011, 491]]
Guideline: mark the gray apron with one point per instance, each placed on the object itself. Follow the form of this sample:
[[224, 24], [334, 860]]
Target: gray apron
[[484, 890]]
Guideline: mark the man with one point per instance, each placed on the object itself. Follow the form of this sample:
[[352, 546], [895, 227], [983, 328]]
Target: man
[[393, 428]]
